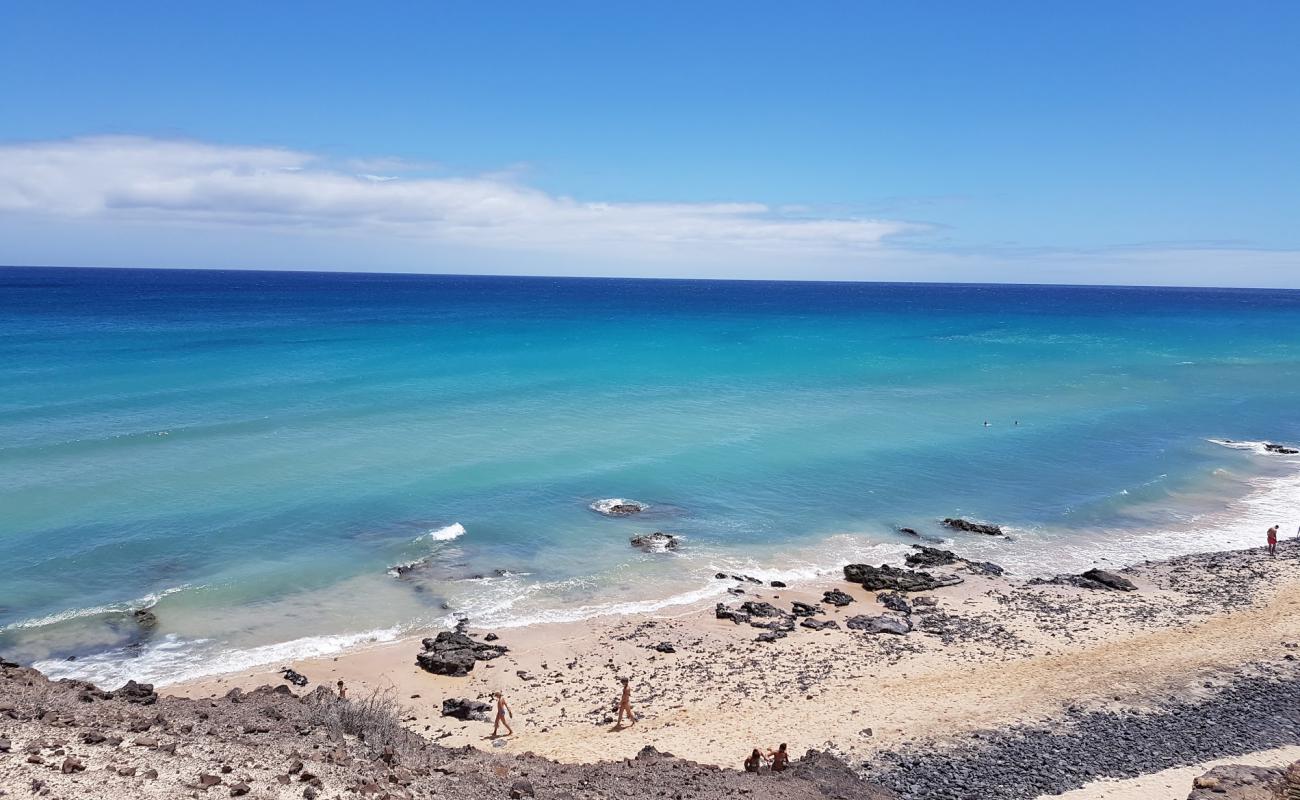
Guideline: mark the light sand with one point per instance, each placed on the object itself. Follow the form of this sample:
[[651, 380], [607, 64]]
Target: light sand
[[723, 693]]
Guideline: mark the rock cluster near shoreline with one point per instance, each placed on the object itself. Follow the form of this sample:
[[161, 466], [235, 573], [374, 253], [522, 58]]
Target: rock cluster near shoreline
[[271, 743]]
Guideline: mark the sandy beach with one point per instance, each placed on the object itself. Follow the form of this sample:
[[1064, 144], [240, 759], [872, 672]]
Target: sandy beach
[[992, 652]]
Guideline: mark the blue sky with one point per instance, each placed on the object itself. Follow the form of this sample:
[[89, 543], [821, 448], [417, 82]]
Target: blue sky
[[1077, 142]]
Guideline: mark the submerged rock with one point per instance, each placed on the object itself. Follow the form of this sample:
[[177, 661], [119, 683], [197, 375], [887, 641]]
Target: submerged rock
[[656, 542], [617, 507], [895, 579], [1281, 449], [959, 524]]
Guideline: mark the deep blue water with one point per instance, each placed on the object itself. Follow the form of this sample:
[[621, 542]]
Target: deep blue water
[[258, 448]]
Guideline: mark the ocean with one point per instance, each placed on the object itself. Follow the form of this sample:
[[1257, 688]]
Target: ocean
[[250, 454]]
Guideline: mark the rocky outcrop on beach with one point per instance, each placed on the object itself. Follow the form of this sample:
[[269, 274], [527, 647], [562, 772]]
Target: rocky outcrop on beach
[[935, 557], [656, 542], [273, 743], [1092, 579], [956, 523], [896, 579], [455, 653]]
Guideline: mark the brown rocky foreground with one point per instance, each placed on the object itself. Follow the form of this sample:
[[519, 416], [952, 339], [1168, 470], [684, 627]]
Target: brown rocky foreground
[[70, 739], [1248, 783]]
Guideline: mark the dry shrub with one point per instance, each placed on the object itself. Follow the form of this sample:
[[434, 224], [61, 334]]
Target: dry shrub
[[375, 720]]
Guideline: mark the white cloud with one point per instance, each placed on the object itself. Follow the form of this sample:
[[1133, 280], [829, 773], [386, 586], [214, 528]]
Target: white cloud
[[142, 179]]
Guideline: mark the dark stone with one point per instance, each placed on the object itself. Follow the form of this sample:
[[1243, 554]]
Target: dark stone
[[908, 531], [491, 637], [454, 653], [894, 602], [770, 636], [777, 584], [293, 676], [520, 789], [837, 598], [896, 579], [818, 624], [722, 576], [466, 709], [885, 623], [655, 542], [973, 527], [1110, 580], [1281, 449], [931, 557], [665, 647], [805, 610], [758, 608], [145, 618], [138, 693]]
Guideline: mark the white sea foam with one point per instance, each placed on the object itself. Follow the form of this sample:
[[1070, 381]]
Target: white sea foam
[[94, 611], [606, 505], [1255, 447], [174, 660], [445, 534]]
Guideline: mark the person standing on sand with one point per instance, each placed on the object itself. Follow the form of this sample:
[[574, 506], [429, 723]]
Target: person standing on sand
[[1272, 541], [343, 691], [503, 710], [625, 703]]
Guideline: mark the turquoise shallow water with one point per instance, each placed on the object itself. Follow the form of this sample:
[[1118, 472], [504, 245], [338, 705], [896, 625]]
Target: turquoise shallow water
[[253, 451]]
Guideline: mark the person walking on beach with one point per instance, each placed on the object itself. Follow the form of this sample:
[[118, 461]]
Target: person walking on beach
[[1272, 541], [503, 710], [625, 704], [780, 758]]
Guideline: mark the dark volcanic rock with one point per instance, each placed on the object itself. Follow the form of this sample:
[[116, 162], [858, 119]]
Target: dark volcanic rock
[[138, 693], [294, 677], [656, 542], [454, 653], [931, 557], [757, 608], [738, 617], [1110, 580], [908, 531], [805, 609], [836, 598], [665, 647], [145, 618], [465, 709], [885, 623], [973, 527], [896, 579], [894, 602], [1281, 449], [818, 624], [778, 584]]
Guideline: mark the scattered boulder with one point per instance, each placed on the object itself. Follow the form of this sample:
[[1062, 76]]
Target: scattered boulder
[[818, 624], [72, 764], [454, 653], [665, 647], [757, 608], [973, 527], [895, 579], [738, 617], [521, 789], [805, 609], [885, 623], [616, 507], [836, 598], [894, 602], [770, 636], [294, 677], [145, 618], [1097, 579], [656, 542], [778, 584], [464, 709], [931, 557], [1237, 782], [138, 693]]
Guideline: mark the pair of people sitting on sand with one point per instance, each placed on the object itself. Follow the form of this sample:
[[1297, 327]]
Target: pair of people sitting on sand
[[779, 759]]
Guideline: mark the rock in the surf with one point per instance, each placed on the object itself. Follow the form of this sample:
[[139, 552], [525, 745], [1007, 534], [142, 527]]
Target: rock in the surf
[[1281, 449], [956, 523], [145, 618], [931, 557], [895, 579], [617, 507], [656, 542]]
